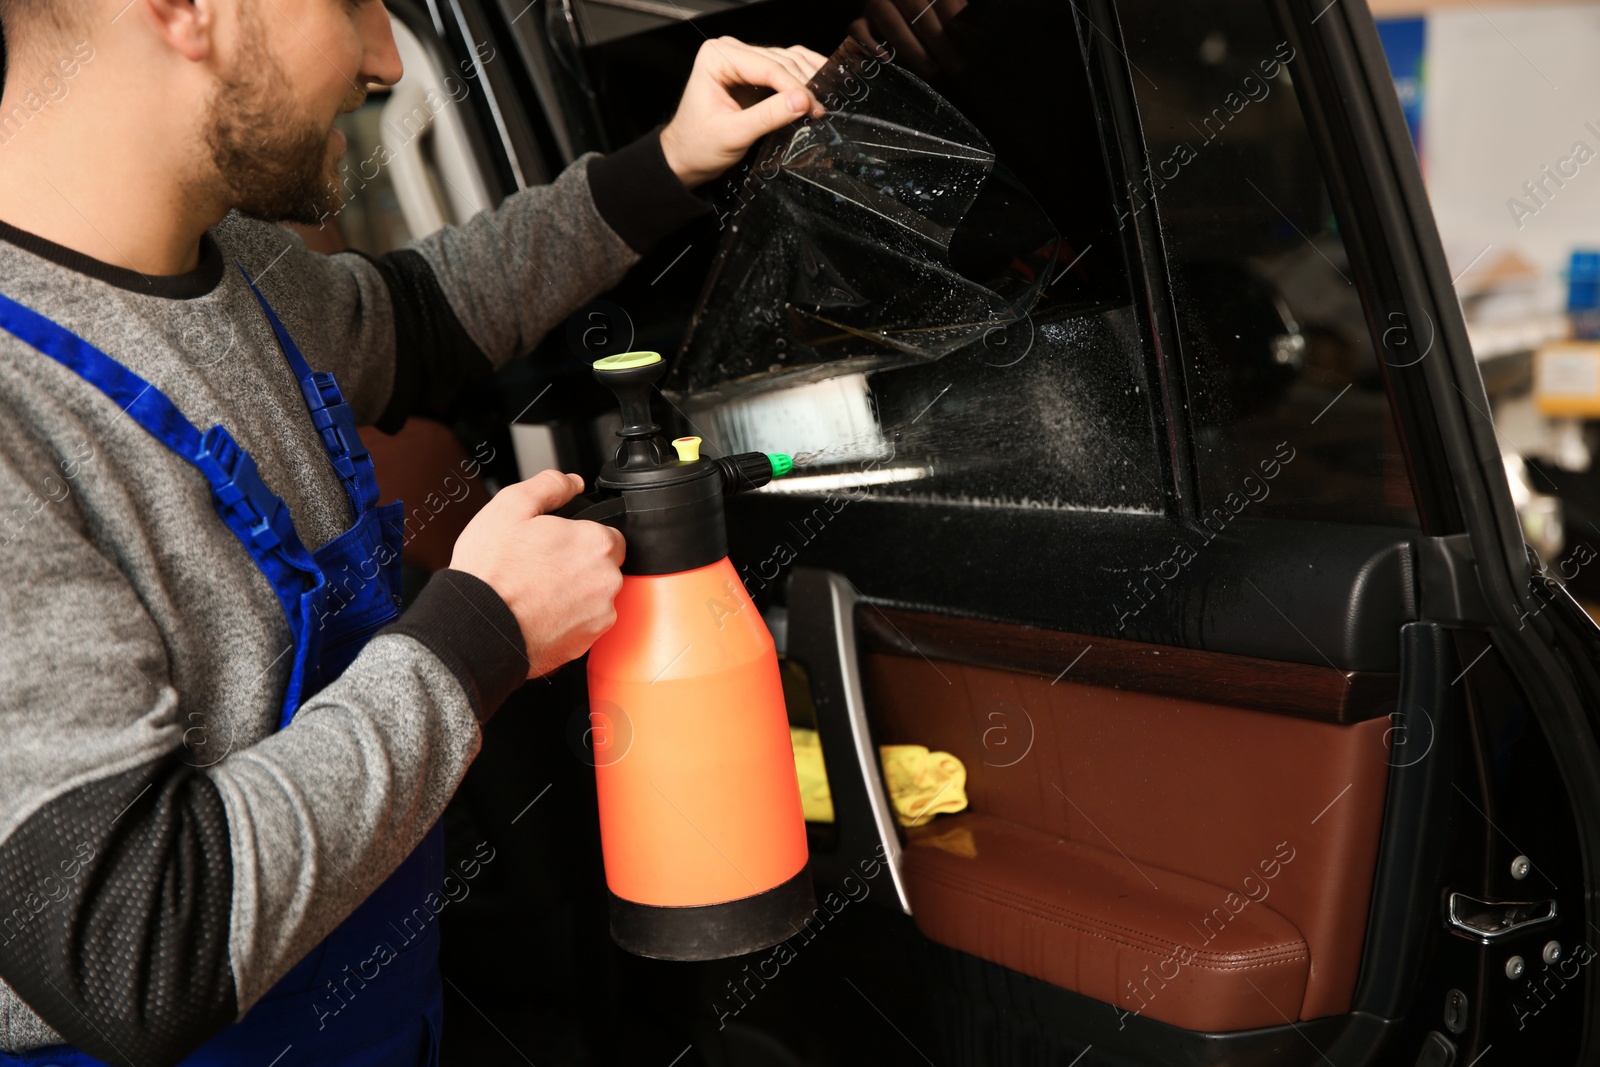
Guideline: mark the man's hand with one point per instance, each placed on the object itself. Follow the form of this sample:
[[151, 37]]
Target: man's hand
[[558, 576], [917, 31], [711, 130]]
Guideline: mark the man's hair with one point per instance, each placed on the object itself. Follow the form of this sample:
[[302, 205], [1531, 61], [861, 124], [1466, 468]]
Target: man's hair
[[59, 13], [28, 24]]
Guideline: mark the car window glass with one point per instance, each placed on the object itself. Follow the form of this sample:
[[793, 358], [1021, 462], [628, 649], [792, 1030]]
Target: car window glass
[[1276, 352], [923, 295]]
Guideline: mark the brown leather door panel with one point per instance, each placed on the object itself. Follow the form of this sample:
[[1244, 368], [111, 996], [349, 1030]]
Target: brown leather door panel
[[1149, 940], [1110, 830]]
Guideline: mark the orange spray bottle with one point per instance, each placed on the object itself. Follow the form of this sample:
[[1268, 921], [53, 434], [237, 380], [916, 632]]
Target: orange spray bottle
[[700, 820]]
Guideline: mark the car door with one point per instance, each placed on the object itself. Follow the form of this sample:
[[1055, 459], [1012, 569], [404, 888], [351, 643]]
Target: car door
[[1204, 569], [1141, 563]]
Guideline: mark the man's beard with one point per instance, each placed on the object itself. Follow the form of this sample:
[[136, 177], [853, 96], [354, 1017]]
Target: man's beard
[[272, 167]]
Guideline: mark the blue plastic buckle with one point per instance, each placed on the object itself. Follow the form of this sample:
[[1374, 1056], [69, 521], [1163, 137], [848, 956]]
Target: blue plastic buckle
[[335, 420], [237, 485]]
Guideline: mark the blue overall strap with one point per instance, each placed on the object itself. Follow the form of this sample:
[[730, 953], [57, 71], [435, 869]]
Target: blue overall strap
[[334, 419], [314, 1009], [147, 405], [253, 512]]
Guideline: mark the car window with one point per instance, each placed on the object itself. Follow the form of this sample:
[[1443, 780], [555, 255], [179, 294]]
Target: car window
[[1277, 356], [925, 296]]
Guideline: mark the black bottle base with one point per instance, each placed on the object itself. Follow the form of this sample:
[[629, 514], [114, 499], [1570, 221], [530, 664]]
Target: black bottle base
[[714, 931]]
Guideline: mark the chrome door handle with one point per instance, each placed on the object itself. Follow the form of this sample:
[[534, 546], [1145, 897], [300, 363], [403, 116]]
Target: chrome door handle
[[1489, 921]]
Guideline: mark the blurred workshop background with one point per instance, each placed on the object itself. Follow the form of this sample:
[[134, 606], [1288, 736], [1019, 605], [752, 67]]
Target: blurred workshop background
[[1503, 101]]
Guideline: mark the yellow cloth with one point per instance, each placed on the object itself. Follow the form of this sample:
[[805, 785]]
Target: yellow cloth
[[957, 841], [921, 783], [815, 799]]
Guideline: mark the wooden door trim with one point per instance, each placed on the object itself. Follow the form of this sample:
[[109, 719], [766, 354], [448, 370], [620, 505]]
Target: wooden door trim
[[1326, 694]]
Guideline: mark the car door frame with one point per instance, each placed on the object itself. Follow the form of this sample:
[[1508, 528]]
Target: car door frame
[[1475, 578]]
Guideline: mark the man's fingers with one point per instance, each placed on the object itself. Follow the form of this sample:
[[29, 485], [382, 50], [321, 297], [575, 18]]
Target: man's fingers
[[773, 113], [891, 24], [619, 545], [803, 61], [930, 29], [544, 493], [927, 18], [861, 30], [737, 63], [809, 61], [788, 63]]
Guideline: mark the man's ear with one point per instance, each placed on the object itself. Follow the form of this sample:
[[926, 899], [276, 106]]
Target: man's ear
[[188, 26]]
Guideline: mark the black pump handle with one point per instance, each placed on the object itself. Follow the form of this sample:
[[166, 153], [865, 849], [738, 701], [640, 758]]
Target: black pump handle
[[632, 376], [606, 510]]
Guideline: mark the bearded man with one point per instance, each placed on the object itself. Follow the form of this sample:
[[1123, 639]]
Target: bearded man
[[181, 484]]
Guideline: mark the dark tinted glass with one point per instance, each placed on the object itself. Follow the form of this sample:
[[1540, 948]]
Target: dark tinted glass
[[924, 292], [1277, 356]]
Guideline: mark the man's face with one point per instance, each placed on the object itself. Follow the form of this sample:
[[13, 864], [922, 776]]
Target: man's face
[[269, 124]]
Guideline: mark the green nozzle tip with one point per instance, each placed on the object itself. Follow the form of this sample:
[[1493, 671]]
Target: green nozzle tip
[[781, 464], [628, 360]]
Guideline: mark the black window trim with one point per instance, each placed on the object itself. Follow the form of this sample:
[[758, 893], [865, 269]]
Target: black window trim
[[1124, 150]]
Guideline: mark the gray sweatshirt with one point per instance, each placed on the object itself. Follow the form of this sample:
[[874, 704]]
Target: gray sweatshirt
[[166, 854]]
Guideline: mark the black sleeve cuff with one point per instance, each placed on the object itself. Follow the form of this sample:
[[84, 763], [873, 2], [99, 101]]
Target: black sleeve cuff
[[434, 356], [465, 623], [638, 196]]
